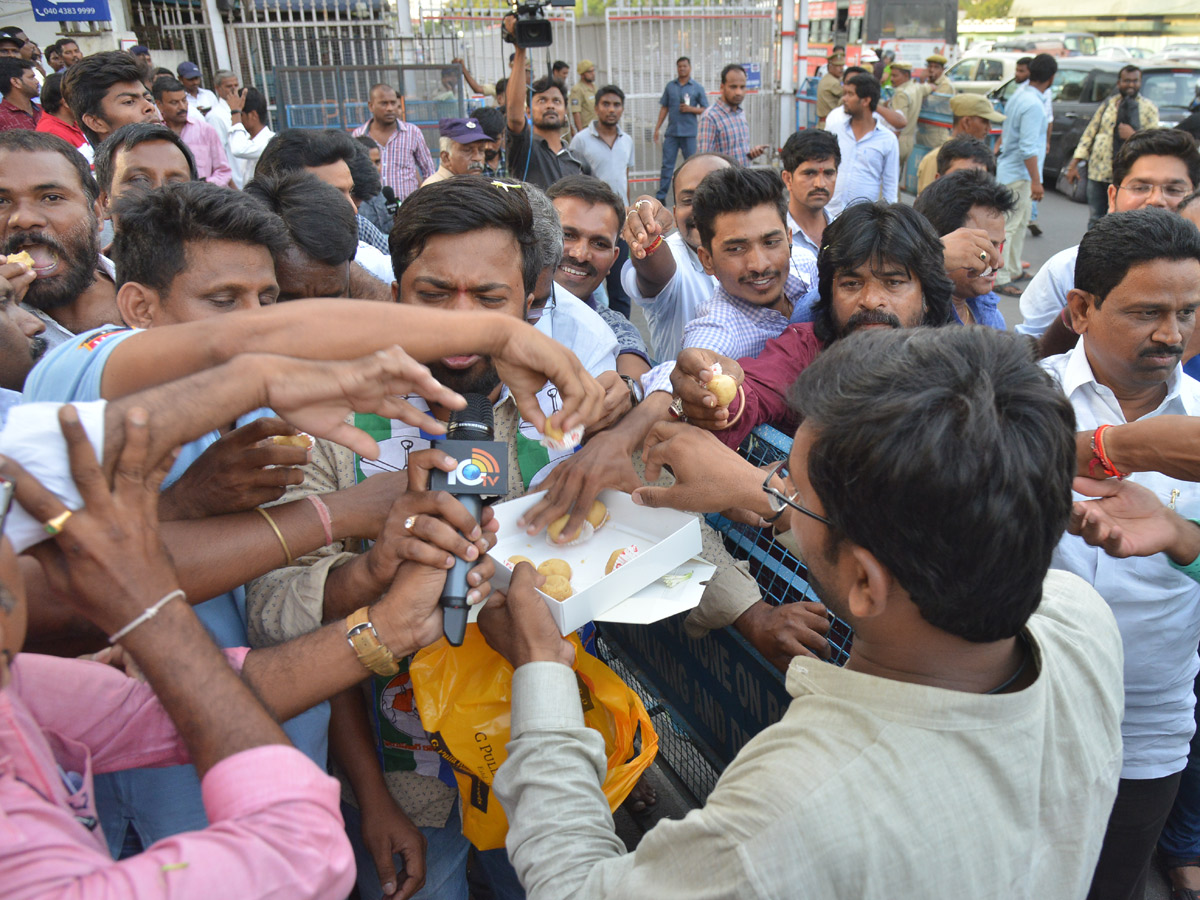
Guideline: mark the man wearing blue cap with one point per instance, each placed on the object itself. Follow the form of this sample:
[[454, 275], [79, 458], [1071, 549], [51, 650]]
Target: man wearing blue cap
[[198, 98], [461, 149]]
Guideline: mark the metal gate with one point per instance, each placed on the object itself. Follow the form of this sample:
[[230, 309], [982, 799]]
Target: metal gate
[[643, 42]]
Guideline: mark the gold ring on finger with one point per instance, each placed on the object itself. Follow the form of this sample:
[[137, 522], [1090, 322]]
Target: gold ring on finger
[[55, 525], [410, 522]]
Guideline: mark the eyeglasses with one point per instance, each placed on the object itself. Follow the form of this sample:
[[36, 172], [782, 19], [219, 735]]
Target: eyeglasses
[[1170, 191], [780, 501], [537, 309]]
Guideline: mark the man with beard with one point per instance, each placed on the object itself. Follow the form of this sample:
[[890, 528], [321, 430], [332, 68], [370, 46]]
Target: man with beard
[[1115, 122], [664, 275], [462, 143], [21, 344], [810, 167], [105, 91], [50, 208], [468, 246], [534, 147], [881, 267], [970, 199], [405, 158], [975, 728], [723, 127]]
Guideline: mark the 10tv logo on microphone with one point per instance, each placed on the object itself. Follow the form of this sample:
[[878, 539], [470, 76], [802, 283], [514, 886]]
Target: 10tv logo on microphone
[[480, 469]]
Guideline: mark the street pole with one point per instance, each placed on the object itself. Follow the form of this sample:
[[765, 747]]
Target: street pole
[[216, 27], [787, 84]]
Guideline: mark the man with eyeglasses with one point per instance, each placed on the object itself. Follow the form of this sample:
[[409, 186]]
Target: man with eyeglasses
[[1156, 167], [975, 729]]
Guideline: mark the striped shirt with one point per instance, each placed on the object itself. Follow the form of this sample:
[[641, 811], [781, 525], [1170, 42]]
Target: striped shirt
[[406, 160], [723, 129]]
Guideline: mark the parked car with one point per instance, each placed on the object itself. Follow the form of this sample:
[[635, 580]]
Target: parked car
[[1125, 53], [1059, 43], [1083, 83], [984, 73], [1184, 49]]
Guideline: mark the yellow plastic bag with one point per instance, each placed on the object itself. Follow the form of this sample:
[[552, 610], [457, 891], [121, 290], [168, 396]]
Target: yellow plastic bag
[[464, 695]]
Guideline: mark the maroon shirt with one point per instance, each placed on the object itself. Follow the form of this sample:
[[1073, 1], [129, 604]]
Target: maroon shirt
[[14, 117], [769, 377]]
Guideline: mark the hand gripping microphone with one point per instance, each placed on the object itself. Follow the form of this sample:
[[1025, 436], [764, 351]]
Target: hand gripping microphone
[[391, 201], [482, 470]]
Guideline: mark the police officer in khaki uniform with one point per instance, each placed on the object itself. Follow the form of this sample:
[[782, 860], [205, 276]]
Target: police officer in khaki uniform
[[829, 88], [907, 100], [936, 81]]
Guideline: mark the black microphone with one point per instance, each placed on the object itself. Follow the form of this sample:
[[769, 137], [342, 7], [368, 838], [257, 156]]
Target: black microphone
[[390, 201], [482, 470]]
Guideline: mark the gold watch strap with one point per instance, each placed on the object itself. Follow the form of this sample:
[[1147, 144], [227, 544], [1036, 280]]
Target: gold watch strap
[[364, 640]]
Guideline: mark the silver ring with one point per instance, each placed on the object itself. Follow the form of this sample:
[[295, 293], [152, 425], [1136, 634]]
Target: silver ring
[[638, 205], [410, 522]]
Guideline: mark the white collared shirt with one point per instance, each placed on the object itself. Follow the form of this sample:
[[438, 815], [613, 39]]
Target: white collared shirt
[[669, 311], [248, 149], [870, 167], [580, 329], [1156, 606], [1046, 296]]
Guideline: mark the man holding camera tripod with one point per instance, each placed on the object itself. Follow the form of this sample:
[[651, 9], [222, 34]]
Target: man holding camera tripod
[[535, 149]]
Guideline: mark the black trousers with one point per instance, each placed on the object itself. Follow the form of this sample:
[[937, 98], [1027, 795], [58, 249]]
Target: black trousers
[[1137, 818]]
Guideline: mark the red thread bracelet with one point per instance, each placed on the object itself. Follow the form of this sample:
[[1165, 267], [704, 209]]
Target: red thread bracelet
[[654, 245], [1101, 458]]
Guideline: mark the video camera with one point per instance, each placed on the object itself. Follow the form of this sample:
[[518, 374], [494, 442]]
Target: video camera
[[533, 28]]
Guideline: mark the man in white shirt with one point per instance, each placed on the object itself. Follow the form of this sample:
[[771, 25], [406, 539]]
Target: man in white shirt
[[220, 117], [199, 98], [971, 745], [870, 151], [1137, 288], [669, 286], [1157, 167], [249, 135]]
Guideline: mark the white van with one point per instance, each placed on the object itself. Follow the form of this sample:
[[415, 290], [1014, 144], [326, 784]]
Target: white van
[[984, 73]]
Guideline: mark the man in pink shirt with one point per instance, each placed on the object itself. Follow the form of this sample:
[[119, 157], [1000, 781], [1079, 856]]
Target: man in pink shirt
[[202, 139], [275, 817]]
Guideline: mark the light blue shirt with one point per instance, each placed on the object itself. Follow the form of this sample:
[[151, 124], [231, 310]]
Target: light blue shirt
[[870, 167], [163, 801], [609, 164], [1024, 135], [1156, 606]]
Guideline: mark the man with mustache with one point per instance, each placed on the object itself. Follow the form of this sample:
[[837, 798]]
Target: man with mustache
[[50, 208], [970, 199], [1134, 301], [810, 166], [462, 144], [881, 267], [534, 147]]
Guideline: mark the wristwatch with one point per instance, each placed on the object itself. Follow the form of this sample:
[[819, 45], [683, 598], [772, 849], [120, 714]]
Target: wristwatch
[[635, 389], [364, 640]]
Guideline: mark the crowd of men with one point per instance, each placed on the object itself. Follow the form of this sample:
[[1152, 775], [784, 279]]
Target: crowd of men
[[198, 621]]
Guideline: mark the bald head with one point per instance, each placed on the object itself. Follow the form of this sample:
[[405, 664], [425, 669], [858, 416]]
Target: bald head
[[687, 178]]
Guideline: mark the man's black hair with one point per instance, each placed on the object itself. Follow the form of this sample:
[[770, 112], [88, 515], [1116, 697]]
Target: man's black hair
[[383, 84], [1106, 254], [590, 190], [872, 233], [86, 83], [851, 71], [56, 49], [947, 454], [735, 189], [867, 88], [491, 120], [367, 141], [22, 140], [965, 147], [1043, 68], [156, 226], [1129, 67], [459, 206], [948, 201], [126, 138], [559, 64], [501, 87], [52, 95], [11, 67], [256, 102], [318, 221], [809, 144], [1025, 61], [62, 45], [1158, 142], [732, 67], [163, 70], [546, 83], [683, 59], [298, 148], [610, 89], [165, 84]]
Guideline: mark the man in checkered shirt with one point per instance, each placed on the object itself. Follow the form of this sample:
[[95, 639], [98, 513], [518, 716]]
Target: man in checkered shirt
[[723, 126], [406, 160]]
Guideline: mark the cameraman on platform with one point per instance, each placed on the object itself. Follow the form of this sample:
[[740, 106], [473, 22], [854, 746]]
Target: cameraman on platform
[[534, 147]]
